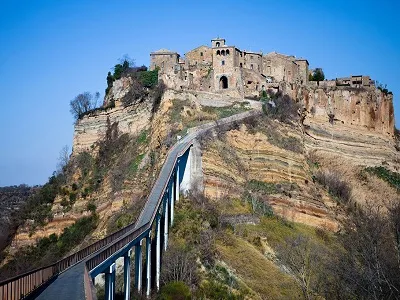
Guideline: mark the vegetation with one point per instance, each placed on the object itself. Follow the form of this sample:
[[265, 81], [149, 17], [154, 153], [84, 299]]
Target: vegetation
[[317, 75], [83, 104], [336, 187], [12, 200], [49, 249], [383, 88], [176, 290], [390, 177], [281, 107]]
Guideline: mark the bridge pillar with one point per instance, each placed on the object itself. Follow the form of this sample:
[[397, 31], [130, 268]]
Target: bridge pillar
[[158, 251], [110, 282], [177, 182], [148, 264], [166, 204], [127, 275], [138, 266], [172, 202], [186, 183]]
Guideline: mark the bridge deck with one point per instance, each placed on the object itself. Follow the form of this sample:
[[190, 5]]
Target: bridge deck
[[68, 285]]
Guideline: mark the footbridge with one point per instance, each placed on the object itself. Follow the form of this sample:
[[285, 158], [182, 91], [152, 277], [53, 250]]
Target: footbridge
[[141, 244]]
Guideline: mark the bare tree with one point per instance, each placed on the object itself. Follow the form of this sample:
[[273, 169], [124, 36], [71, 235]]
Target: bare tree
[[302, 256], [63, 159], [179, 265], [83, 103]]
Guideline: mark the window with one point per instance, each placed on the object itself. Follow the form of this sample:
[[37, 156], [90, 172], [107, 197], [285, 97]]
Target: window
[[201, 53], [241, 65], [227, 52], [223, 63], [217, 44], [223, 52], [251, 66], [251, 56], [218, 52]]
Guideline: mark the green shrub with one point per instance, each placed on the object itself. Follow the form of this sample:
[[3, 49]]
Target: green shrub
[[390, 177], [72, 198], [149, 79], [213, 289], [176, 290], [91, 207], [261, 187]]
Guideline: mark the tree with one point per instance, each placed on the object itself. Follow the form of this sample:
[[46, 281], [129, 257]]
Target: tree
[[63, 160], [318, 75], [304, 258], [83, 103]]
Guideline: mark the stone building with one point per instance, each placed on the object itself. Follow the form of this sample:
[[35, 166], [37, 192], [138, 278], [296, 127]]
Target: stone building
[[225, 69]]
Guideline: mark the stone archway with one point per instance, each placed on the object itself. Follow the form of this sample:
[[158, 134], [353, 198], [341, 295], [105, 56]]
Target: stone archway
[[223, 82]]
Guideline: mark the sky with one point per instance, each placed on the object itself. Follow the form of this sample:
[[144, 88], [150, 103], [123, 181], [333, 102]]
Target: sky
[[51, 51]]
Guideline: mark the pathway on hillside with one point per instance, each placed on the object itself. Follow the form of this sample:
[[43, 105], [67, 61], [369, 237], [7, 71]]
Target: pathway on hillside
[[70, 284]]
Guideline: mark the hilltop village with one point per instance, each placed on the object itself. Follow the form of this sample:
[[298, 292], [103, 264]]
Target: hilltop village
[[238, 73]]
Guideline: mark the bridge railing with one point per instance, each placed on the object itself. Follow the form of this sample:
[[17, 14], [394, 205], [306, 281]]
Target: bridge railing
[[22, 285]]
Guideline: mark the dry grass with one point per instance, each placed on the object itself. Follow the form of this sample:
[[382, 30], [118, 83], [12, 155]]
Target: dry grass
[[256, 271]]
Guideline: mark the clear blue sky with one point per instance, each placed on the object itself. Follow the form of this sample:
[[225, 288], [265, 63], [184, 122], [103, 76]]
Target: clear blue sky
[[53, 50]]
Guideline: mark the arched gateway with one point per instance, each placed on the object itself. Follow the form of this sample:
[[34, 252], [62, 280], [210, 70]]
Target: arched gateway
[[223, 82]]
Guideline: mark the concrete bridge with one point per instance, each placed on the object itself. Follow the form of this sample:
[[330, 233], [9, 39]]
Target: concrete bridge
[[141, 244]]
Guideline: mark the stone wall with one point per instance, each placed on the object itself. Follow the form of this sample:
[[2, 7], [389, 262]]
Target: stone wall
[[165, 60], [253, 61], [200, 56]]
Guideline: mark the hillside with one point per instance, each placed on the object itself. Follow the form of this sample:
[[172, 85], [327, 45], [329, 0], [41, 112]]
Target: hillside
[[313, 166], [12, 201]]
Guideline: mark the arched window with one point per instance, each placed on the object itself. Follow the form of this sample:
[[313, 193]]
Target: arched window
[[223, 82], [241, 65], [223, 52], [227, 51], [217, 44], [218, 52], [251, 66], [201, 53]]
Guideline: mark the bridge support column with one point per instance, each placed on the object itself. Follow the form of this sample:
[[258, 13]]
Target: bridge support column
[[148, 264], [166, 204], [110, 282], [158, 251], [138, 266], [186, 182], [127, 275], [177, 182], [172, 199]]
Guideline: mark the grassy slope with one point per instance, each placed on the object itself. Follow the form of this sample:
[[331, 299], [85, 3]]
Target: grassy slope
[[260, 274]]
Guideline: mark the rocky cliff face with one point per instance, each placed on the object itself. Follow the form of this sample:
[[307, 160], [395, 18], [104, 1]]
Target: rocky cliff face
[[367, 109], [245, 155], [131, 119], [357, 124]]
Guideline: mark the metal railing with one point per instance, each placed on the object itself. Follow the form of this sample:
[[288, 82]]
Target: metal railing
[[22, 285]]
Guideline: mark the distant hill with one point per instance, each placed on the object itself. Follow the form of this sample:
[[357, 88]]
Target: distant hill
[[12, 199]]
